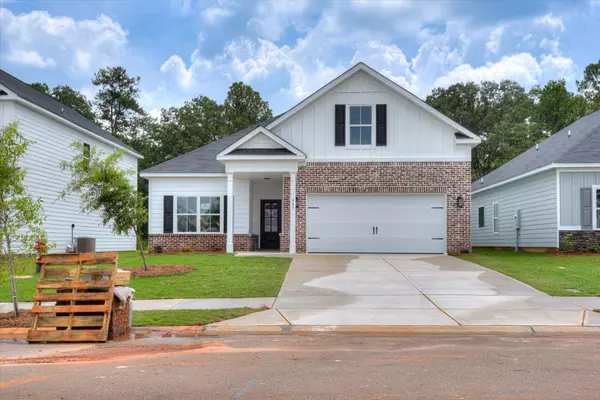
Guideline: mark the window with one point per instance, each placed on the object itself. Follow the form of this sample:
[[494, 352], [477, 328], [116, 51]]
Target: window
[[360, 125], [210, 214], [482, 217], [596, 204], [187, 214], [87, 153], [496, 214]]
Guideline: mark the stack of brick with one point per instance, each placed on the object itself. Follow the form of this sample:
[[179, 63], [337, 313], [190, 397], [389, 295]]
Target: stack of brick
[[120, 323]]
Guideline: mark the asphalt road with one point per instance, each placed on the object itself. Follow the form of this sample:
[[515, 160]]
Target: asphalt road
[[317, 367]]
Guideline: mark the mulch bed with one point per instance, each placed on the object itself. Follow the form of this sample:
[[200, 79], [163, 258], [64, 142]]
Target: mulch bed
[[160, 270], [8, 320], [575, 254]]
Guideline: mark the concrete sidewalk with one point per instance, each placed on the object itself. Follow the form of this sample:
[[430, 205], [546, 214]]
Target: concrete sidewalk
[[179, 304]]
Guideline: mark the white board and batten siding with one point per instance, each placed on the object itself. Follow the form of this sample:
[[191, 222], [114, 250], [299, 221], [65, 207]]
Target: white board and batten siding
[[46, 180], [535, 196], [412, 133], [571, 184]]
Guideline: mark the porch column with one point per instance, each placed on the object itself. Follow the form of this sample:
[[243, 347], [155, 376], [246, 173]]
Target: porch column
[[292, 213], [230, 212]]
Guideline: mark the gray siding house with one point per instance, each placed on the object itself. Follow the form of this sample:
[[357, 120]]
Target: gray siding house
[[546, 194]]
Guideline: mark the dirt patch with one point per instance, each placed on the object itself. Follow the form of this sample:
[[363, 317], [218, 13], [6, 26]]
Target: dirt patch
[[575, 254], [24, 320], [160, 270]]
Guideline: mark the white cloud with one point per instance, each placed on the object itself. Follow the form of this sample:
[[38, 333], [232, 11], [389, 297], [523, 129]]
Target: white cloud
[[220, 10], [30, 57], [185, 76], [493, 43], [550, 45], [47, 40], [549, 20], [273, 16]]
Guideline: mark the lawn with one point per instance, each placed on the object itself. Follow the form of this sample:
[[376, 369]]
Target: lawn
[[187, 317], [550, 273], [216, 275]]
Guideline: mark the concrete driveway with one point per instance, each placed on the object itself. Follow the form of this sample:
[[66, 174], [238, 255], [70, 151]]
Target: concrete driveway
[[410, 290]]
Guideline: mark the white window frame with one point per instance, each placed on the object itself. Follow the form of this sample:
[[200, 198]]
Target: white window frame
[[372, 125], [495, 218], [198, 215], [479, 226], [595, 190]]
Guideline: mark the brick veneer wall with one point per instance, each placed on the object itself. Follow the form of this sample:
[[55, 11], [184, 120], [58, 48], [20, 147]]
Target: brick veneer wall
[[452, 178], [581, 240], [200, 242], [119, 319]]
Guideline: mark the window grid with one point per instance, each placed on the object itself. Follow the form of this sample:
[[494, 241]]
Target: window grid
[[496, 219], [360, 126], [481, 217]]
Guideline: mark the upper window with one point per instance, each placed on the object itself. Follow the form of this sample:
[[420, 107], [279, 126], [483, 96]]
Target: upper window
[[361, 125], [482, 217], [496, 218], [210, 214], [187, 214]]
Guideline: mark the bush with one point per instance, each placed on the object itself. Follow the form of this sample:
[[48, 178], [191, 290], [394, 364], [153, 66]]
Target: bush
[[157, 248], [595, 248], [465, 251], [186, 249], [566, 246]]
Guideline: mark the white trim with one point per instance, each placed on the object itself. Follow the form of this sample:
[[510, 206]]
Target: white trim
[[292, 233], [260, 157], [467, 141], [75, 126], [382, 79], [230, 213], [181, 175], [569, 228], [595, 189], [198, 214], [557, 207], [495, 219], [224, 155], [537, 171], [351, 146], [388, 159]]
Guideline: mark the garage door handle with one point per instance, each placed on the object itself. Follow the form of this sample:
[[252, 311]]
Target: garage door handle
[[437, 238], [438, 208], [377, 230], [312, 238]]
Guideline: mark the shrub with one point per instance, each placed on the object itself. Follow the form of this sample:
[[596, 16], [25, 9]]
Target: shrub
[[566, 246], [464, 251], [157, 248], [186, 249], [595, 248]]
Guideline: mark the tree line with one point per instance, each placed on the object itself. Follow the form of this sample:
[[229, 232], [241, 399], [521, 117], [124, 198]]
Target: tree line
[[508, 118]]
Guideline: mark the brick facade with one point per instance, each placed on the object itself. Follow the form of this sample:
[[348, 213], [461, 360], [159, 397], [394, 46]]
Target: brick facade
[[451, 178], [216, 242], [581, 240]]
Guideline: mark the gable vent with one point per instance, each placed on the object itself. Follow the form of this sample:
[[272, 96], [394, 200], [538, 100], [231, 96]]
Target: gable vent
[[3, 93]]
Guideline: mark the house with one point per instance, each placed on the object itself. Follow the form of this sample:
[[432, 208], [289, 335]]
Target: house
[[361, 165], [553, 189], [52, 127]]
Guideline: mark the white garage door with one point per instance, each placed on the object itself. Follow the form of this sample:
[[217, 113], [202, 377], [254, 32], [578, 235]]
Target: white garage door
[[407, 223]]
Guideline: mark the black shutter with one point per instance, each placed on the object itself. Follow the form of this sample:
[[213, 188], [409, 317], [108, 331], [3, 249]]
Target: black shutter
[[168, 214], [340, 125], [225, 214], [381, 122]]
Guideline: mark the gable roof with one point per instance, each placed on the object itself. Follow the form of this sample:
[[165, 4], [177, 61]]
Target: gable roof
[[385, 81], [229, 152], [204, 159], [48, 103], [582, 146]]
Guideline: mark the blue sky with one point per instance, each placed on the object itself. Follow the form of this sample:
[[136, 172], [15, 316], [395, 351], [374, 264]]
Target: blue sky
[[288, 49]]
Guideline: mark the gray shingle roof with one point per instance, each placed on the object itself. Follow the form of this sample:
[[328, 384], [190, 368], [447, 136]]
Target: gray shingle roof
[[583, 146], [48, 103], [204, 159]]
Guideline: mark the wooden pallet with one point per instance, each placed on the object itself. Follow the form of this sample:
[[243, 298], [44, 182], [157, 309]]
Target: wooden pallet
[[82, 287]]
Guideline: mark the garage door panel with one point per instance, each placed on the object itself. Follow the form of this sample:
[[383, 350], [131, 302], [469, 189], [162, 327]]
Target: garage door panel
[[405, 223]]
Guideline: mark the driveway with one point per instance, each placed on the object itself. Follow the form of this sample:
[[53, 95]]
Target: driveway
[[411, 290]]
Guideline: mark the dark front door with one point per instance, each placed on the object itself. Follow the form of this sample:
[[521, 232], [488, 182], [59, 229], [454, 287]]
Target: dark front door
[[270, 224]]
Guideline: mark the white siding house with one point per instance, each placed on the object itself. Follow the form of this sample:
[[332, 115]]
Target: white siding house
[[52, 127]]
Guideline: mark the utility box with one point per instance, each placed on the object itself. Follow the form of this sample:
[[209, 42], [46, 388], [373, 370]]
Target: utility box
[[86, 244]]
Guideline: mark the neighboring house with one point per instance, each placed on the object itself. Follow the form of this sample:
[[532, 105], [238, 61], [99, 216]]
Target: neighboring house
[[53, 127], [554, 186], [366, 165]]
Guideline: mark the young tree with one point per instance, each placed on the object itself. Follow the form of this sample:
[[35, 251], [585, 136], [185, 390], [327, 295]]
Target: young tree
[[108, 189], [21, 216], [244, 107], [117, 98]]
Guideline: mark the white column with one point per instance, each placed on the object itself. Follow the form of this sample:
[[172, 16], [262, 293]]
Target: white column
[[230, 212], [292, 213]]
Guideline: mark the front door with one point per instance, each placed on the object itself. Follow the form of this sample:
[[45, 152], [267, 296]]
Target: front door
[[270, 224]]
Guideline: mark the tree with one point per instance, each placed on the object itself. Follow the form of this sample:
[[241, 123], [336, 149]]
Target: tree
[[497, 112], [69, 97], [589, 86], [244, 107], [108, 189], [556, 107], [21, 216], [117, 98]]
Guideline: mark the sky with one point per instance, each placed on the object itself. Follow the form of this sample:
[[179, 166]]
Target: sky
[[288, 49]]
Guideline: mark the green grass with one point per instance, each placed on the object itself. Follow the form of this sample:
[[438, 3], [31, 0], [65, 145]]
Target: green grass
[[216, 275], [187, 317], [546, 272]]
